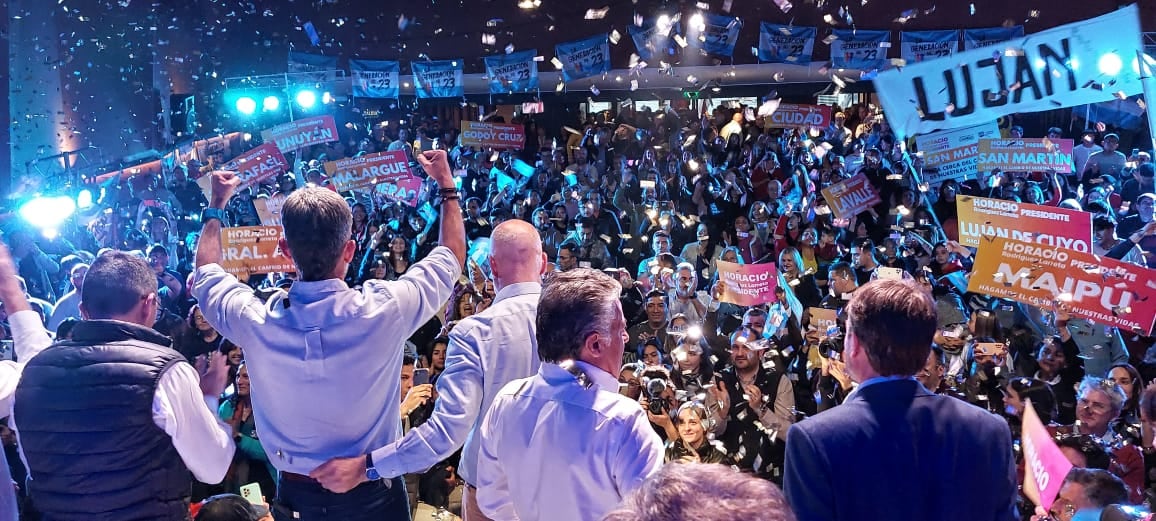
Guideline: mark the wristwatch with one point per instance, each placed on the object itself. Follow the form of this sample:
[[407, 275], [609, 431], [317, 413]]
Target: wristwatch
[[370, 472], [212, 213]]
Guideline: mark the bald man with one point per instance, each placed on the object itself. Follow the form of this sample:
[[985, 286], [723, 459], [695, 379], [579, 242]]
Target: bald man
[[486, 351]]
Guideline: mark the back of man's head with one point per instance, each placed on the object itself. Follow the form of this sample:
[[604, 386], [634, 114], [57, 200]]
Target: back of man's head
[[574, 305], [318, 224], [702, 492], [116, 284], [894, 322], [1101, 487]]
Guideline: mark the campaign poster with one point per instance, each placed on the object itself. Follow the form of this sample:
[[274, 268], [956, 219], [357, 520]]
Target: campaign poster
[[748, 284], [248, 250], [1051, 226]]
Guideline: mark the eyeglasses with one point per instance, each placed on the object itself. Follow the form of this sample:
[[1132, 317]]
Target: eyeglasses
[[1095, 407]]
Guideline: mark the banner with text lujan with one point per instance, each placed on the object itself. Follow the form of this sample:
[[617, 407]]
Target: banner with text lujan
[[584, 58], [514, 72], [988, 36], [951, 154], [981, 218], [374, 79], [719, 34], [1102, 289], [859, 49], [1076, 64], [438, 79], [786, 43], [302, 133], [919, 46]]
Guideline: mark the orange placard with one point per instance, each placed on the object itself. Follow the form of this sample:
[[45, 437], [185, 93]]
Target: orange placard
[[493, 135], [1044, 225], [1098, 288], [247, 250], [851, 197]]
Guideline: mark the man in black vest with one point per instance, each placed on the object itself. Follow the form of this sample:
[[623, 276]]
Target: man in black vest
[[112, 422]]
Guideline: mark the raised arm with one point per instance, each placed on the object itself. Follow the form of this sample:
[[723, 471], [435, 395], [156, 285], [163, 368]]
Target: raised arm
[[209, 245], [453, 229]]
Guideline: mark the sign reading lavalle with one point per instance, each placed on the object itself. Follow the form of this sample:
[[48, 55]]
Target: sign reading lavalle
[[1098, 288], [248, 250], [302, 133], [1054, 227], [387, 171], [748, 284], [851, 197]]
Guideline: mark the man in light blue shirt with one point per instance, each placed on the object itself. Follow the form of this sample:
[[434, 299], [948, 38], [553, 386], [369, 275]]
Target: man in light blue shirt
[[486, 351], [325, 360]]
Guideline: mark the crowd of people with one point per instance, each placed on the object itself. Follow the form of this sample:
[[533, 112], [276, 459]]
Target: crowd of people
[[639, 205]]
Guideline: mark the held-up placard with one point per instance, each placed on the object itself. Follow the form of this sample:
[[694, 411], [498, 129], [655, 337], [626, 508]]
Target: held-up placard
[[951, 154], [302, 133], [851, 197], [793, 115], [1105, 290], [492, 135], [249, 250], [747, 284], [1049, 226], [258, 165], [364, 172], [1025, 155], [1044, 465]]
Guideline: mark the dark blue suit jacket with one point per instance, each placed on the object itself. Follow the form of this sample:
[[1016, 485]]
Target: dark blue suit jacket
[[895, 451]]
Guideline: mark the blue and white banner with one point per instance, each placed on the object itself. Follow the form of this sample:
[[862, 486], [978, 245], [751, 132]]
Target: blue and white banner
[[514, 72], [438, 79], [305, 62], [584, 58], [374, 79], [976, 38], [1062, 67], [859, 49], [786, 44], [720, 34], [917, 46], [651, 40]]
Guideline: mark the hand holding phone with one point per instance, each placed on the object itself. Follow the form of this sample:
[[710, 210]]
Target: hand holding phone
[[252, 494], [420, 376]]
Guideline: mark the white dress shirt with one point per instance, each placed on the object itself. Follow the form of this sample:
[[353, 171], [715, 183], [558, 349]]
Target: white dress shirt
[[67, 307], [325, 360], [188, 417], [486, 351], [552, 449]]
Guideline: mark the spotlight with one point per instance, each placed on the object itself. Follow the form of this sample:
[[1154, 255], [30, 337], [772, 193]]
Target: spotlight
[[246, 105], [84, 199], [271, 103], [306, 99], [1110, 64], [48, 213], [327, 98], [697, 22]]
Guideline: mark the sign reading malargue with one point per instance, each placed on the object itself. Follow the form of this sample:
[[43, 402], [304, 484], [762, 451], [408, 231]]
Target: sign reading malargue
[[302, 133], [1025, 155], [748, 284], [248, 250], [492, 135], [851, 197], [1105, 290], [387, 171], [1054, 227]]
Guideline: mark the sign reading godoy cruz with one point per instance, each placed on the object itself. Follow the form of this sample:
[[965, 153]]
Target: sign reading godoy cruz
[[492, 135], [851, 197], [1025, 155], [247, 250], [1061, 67], [371, 170], [748, 284], [1098, 288], [258, 165], [302, 133], [951, 154], [791, 115], [981, 218]]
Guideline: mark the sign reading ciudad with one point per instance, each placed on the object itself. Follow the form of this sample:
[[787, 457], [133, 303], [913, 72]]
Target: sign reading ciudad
[[981, 218], [793, 115], [492, 135], [388, 171], [851, 197], [302, 133], [1090, 61], [1025, 155], [1098, 288]]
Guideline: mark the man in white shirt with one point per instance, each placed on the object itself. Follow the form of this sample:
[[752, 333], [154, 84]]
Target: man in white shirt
[[1086, 148], [112, 422], [486, 351], [324, 360], [564, 444], [69, 305]]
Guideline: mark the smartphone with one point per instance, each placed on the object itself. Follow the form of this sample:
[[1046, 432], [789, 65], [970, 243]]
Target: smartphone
[[7, 349], [420, 376], [1135, 152], [252, 494]]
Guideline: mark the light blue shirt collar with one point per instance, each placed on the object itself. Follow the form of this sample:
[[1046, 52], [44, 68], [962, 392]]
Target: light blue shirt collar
[[517, 290]]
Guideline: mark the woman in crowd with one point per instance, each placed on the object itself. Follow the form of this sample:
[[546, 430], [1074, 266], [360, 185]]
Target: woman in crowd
[[1099, 405], [1128, 378], [801, 282], [199, 338], [692, 445], [250, 463]]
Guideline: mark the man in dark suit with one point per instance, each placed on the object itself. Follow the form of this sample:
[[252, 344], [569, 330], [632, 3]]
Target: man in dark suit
[[894, 450]]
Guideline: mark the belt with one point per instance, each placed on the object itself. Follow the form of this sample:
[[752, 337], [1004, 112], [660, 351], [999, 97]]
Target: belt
[[301, 478]]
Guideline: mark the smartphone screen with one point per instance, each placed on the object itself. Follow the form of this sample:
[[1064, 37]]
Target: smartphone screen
[[420, 376]]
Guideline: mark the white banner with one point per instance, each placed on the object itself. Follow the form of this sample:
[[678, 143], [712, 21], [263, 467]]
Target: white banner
[[1084, 62], [951, 154]]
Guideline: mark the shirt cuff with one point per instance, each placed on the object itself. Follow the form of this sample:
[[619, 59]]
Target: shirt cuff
[[29, 335], [387, 461]]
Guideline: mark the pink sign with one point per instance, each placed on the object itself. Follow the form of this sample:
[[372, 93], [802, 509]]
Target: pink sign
[[747, 284], [1045, 466], [302, 133], [257, 165]]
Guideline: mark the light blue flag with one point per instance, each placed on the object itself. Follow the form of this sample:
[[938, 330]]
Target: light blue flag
[[720, 34], [438, 79], [917, 46], [859, 49], [786, 44], [976, 38], [584, 58], [514, 72], [374, 79]]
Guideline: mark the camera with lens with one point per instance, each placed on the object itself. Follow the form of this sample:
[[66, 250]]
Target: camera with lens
[[654, 389]]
